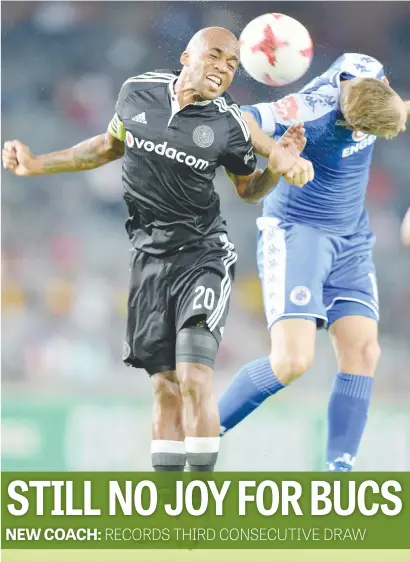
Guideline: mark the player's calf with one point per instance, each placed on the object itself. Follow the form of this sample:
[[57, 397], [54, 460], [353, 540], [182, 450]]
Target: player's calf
[[195, 352], [168, 445], [355, 341], [200, 415]]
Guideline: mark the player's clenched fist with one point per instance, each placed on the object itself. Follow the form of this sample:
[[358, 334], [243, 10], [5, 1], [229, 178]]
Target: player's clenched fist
[[17, 158], [301, 173]]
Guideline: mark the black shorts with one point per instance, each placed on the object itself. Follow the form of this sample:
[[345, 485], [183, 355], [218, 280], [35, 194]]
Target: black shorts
[[166, 293]]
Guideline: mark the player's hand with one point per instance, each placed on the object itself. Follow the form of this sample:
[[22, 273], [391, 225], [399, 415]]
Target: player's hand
[[285, 158], [294, 141], [294, 138], [301, 173], [18, 159]]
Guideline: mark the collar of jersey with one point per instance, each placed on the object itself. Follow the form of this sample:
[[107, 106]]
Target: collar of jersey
[[173, 95]]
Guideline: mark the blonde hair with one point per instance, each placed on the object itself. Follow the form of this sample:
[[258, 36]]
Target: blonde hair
[[368, 106]]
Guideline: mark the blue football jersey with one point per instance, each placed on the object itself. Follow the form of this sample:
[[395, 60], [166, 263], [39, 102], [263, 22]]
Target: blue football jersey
[[334, 200]]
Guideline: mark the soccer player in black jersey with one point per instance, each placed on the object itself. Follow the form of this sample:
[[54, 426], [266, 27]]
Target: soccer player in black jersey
[[174, 129]]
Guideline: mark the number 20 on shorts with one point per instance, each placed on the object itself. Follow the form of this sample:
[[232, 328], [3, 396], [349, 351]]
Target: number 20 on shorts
[[205, 298]]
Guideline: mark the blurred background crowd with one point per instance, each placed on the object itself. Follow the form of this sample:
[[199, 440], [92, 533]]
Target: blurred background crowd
[[65, 251]]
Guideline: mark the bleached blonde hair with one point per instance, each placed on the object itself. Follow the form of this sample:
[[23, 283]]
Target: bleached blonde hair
[[368, 106]]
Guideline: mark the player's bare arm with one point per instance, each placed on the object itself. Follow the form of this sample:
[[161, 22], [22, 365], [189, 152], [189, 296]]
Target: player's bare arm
[[87, 155], [288, 149], [262, 143], [405, 230], [254, 187]]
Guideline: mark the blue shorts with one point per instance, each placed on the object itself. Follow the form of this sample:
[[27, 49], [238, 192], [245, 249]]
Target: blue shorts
[[308, 273]]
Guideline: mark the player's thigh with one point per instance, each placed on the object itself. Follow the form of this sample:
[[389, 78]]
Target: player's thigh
[[355, 340], [150, 329], [293, 262], [351, 298], [351, 287]]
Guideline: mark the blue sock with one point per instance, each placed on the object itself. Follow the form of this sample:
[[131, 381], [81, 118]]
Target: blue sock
[[250, 387], [347, 417]]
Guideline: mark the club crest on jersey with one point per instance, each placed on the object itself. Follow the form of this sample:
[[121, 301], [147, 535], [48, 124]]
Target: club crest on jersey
[[203, 136], [300, 296]]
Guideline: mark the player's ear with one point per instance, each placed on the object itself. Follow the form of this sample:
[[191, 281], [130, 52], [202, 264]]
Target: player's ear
[[384, 79], [184, 59]]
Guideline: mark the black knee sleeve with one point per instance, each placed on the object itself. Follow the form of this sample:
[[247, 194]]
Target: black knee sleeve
[[196, 345]]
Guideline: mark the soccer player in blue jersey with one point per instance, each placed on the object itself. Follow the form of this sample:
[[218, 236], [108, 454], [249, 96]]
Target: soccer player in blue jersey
[[315, 248]]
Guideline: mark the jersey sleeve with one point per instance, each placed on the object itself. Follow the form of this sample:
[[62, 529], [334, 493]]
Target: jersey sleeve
[[314, 109], [238, 157], [116, 125], [355, 65]]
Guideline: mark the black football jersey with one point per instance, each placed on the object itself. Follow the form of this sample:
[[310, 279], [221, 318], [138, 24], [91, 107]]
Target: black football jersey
[[171, 156]]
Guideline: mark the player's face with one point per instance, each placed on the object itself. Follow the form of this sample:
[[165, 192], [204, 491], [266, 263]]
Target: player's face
[[213, 65]]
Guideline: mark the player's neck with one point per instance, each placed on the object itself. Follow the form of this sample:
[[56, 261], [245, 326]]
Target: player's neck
[[186, 94]]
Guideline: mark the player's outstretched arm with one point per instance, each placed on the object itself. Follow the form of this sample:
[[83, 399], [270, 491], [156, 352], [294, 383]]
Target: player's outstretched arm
[[87, 155], [262, 143], [283, 160], [256, 186], [299, 171], [405, 230]]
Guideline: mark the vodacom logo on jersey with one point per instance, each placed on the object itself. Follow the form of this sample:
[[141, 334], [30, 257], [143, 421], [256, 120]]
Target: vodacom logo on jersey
[[362, 140], [164, 150]]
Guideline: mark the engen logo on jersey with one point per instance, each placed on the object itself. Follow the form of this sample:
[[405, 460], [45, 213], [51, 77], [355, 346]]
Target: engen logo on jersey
[[362, 141], [164, 150]]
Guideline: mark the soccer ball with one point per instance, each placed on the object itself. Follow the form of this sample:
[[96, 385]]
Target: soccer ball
[[275, 49]]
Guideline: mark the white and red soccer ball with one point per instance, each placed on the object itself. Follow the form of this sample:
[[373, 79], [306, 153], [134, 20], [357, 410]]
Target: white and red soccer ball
[[276, 49]]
